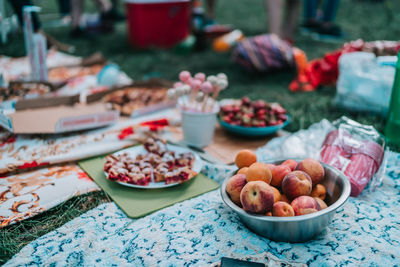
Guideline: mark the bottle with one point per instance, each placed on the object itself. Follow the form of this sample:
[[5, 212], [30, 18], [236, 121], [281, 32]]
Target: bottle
[[226, 41], [392, 128]]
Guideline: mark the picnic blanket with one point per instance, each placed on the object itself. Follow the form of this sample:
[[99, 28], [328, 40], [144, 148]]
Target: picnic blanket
[[364, 232], [27, 194], [29, 151]]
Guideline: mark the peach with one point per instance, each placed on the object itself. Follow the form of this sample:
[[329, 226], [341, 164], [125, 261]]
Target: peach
[[313, 168], [278, 173], [234, 187], [284, 198], [291, 163], [282, 209], [242, 170], [304, 205], [277, 194], [257, 197], [321, 203], [296, 183], [258, 172], [270, 166], [245, 158], [319, 191], [269, 213]]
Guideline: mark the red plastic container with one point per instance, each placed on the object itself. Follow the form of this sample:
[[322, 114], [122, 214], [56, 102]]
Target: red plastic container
[[157, 23]]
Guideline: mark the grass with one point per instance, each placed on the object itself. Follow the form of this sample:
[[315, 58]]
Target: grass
[[369, 20]]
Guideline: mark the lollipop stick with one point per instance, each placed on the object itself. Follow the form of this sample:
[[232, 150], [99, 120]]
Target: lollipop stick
[[204, 105], [216, 94]]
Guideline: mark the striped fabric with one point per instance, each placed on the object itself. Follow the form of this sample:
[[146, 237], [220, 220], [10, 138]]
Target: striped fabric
[[264, 53]]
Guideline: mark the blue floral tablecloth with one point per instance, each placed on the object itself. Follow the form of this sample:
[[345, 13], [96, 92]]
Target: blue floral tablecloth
[[364, 232]]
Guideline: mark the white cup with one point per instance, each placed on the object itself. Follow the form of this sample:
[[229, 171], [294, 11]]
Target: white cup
[[198, 127]]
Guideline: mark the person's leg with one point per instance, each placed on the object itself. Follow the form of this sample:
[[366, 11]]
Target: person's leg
[[103, 5], [274, 12], [329, 10], [210, 4], [76, 13], [327, 28], [18, 5], [310, 9], [64, 7], [292, 15]]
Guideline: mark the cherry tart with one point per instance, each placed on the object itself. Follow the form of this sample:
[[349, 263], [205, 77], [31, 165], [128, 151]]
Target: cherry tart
[[158, 164]]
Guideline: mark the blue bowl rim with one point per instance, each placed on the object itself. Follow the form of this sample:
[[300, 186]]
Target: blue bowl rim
[[273, 128]]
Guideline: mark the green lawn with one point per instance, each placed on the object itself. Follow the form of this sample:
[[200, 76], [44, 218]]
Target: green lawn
[[370, 20]]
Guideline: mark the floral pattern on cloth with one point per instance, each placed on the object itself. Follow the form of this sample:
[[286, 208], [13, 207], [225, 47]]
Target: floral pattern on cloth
[[25, 195], [29, 151], [364, 232]]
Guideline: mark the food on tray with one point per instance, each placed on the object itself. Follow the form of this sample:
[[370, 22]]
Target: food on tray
[[130, 99], [158, 165], [61, 74], [253, 113], [18, 91], [279, 190]]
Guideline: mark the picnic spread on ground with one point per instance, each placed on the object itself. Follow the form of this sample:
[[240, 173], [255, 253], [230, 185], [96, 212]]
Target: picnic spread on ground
[[193, 175]]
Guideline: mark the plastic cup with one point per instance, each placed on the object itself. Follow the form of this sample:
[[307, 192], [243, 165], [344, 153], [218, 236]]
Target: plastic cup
[[198, 127]]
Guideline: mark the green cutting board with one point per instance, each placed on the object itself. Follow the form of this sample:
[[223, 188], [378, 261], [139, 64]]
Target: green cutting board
[[140, 202]]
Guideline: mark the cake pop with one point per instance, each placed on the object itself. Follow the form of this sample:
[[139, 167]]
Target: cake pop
[[178, 84], [184, 76], [200, 76]]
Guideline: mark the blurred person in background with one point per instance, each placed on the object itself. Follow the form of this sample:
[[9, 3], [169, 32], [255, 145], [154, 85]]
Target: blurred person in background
[[321, 23], [109, 14], [275, 9], [284, 28], [18, 5]]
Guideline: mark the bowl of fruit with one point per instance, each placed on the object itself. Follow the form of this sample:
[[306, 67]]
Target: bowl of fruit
[[252, 118], [285, 200]]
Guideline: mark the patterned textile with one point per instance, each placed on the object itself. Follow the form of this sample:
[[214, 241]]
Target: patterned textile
[[28, 151], [264, 53], [25, 195], [364, 232], [14, 68]]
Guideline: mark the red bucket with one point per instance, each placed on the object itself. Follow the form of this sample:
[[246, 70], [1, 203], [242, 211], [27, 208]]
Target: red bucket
[[157, 23]]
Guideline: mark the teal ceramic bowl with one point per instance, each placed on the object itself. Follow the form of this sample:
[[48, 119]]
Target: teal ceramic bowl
[[253, 131]]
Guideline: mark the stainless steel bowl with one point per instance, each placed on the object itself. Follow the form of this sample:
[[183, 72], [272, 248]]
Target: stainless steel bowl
[[297, 228]]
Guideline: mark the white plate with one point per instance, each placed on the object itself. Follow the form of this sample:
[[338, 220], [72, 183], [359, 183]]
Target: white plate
[[136, 150]]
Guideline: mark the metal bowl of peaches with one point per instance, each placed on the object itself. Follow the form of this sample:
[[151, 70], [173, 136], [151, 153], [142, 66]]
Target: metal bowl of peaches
[[296, 228]]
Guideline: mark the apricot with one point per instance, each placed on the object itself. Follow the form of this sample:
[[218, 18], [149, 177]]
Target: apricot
[[284, 198], [258, 172], [305, 205], [243, 170], [278, 173], [319, 191], [313, 168], [245, 158], [277, 194], [297, 183], [234, 187], [291, 163], [321, 203], [282, 209]]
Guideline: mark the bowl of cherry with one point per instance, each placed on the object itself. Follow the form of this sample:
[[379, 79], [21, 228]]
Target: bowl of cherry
[[252, 118]]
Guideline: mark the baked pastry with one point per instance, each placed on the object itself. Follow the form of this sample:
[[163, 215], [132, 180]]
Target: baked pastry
[[129, 99], [158, 165]]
